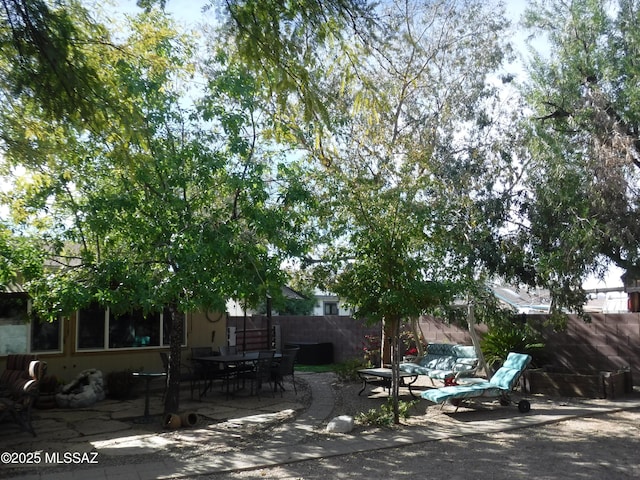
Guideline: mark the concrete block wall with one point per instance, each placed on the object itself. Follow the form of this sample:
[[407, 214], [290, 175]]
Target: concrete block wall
[[609, 342], [345, 333]]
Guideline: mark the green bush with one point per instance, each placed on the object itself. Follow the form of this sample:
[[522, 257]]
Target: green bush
[[383, 416], [508, 337], [348, 371]]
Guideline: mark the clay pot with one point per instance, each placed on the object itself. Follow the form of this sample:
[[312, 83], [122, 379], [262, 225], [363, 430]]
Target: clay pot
[[189, 419], [172, 421]]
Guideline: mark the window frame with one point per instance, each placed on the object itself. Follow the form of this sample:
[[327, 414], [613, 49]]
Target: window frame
[[28, 326], [163, 343], [331, 305]]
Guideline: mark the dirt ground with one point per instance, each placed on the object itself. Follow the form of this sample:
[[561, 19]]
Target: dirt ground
[[604, 446]]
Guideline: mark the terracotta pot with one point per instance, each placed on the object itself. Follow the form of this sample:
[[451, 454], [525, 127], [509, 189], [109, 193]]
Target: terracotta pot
[[189, 419], [172, 421]]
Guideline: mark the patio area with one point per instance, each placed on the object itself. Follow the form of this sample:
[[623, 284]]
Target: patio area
[[118, 427]]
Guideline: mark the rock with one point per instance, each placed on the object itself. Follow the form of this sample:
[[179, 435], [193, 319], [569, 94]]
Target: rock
[[341, 424], [84, 391]]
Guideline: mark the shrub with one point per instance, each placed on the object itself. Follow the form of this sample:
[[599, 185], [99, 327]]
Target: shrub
[[510, 337], [383, 416], [348, 371]]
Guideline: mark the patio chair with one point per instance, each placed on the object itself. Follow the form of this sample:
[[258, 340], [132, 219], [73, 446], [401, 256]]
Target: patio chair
[[187, 373], [283, 368], [21, 391], [228, 349], [18, 366], [260, 374], [500, 386]]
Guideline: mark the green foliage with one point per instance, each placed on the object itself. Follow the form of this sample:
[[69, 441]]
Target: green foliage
[[512, 334], [347, 371], [20, 259], [584, 167], [175, 201], [283, 43], [384, 416], [44, 56], [405, 203]]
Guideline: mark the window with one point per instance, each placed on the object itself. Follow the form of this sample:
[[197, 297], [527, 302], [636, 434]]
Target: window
[[45, 336], [18, 334], [331, 308], [134, 330], [100, 329], [13, 323], [91, 327]]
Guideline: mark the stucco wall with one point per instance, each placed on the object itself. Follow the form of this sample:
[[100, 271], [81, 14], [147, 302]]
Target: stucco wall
[[201, 330]]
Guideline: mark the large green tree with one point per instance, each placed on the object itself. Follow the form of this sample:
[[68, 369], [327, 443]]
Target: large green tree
[[155, 203], [409, 169], [583, 171]]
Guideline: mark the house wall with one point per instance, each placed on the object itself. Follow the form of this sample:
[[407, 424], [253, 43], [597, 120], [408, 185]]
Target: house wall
[[201, 330], [318, 309]]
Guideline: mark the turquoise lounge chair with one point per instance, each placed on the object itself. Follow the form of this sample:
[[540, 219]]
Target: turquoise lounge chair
[[500, 386]]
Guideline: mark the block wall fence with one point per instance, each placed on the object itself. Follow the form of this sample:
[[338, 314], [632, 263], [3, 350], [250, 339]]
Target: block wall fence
[[607, 342], [345, 333]]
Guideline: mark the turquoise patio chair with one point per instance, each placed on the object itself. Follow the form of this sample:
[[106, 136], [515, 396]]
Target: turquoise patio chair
[[500, 386]]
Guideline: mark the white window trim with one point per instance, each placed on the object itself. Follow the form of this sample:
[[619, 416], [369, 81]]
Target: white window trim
[[106, 347]]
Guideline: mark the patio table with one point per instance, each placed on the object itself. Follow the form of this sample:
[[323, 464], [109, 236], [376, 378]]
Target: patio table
[[147, 376], [228, 363], [383, 376]]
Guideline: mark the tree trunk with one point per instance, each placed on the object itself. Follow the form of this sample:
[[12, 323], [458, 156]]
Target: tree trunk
[[394, 329], [471, 321], [417, 335], [172, 397]]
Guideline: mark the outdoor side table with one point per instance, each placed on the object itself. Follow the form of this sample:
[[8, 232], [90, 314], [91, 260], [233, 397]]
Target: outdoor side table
[[382, 377], [147, 376]]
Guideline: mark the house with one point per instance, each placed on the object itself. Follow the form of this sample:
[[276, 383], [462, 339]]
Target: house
[[96, 338], [329, 304], [236, 309], [538, 301]]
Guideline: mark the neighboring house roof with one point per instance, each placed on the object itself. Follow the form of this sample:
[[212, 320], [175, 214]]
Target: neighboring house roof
[[13, 288], [524, 301], [539, 300], [290, 293]]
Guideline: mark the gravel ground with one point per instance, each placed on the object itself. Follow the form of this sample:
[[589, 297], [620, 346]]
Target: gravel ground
[[599, 447], [603, 447]]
